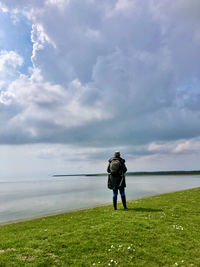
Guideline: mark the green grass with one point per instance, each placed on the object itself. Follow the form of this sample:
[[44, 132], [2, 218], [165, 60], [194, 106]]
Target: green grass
[[156, 231]]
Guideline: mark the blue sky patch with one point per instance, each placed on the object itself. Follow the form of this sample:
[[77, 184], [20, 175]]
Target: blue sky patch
[[15, 35]]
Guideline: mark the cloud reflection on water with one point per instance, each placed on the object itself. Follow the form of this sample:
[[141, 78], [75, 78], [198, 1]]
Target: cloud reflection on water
[[27, 199]]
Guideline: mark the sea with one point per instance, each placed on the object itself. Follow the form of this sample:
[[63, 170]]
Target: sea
[[33, 197]]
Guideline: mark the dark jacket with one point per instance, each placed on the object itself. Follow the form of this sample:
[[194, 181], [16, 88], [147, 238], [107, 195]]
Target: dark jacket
[[117, 181]]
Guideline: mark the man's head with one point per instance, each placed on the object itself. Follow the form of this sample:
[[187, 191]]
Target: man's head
[[117, 154]]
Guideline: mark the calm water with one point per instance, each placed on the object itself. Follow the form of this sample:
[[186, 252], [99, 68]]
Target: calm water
[[29, 198]]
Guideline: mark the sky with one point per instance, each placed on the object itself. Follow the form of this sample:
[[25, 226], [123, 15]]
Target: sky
[[81, 79]]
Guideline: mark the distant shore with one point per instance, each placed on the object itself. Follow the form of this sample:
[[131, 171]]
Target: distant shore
[[193, 172]]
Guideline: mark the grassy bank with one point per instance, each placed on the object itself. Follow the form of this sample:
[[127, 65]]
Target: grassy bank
[[156, 231]]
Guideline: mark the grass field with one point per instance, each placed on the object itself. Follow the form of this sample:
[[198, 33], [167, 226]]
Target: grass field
[[156, 231]]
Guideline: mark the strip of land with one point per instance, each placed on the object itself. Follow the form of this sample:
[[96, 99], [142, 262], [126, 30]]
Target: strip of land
[[155, 231], [193, 172]]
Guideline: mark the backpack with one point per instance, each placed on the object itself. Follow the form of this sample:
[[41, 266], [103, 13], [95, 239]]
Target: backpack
[[115, 166]]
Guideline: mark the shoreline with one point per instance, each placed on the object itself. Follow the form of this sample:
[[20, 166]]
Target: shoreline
[[87, 208]]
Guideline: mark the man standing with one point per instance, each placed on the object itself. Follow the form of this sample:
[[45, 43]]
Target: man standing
[[116, 178]]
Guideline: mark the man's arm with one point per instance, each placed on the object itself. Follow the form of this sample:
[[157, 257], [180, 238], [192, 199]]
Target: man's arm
[[124, 169], [108, 168]]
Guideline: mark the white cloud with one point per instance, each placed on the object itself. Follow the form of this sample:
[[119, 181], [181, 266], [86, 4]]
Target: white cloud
[[58, 3], [6, 97], [188, 146], [39, 39], [42, 103], [9, 63], [9, 59]]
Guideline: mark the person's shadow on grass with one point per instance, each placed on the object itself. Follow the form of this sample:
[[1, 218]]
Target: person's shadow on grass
[[140, 209]]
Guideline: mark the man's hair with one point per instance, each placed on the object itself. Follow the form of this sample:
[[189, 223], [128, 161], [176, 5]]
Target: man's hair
[[117, 154]]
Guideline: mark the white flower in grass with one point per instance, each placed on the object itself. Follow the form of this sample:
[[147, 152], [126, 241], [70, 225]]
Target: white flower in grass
[[120, 246], [111, 260], [176, 263], [109, 249], [178, 227], [94, 264], [112, 246], [129, 248], [109, 264]]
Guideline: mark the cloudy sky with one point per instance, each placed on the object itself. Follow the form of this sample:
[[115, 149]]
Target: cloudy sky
[[81, 79]]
